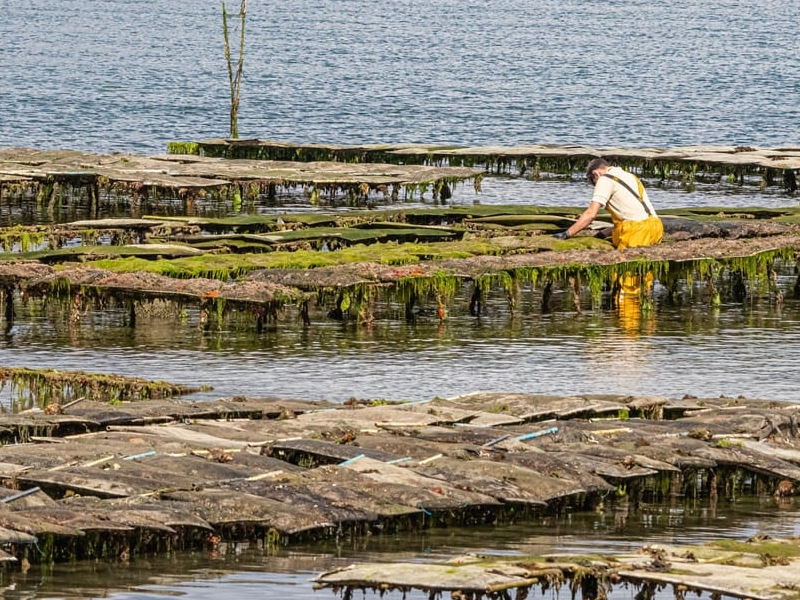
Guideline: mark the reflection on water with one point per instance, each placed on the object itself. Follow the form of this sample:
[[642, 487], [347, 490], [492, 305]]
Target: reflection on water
[[494, 191], [733, 349], [437, 75], [247, 572], [674, 350], [620, 526]]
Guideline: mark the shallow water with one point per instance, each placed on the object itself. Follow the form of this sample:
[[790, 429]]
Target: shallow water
[[248, 572], [734, 349], [494, 191]]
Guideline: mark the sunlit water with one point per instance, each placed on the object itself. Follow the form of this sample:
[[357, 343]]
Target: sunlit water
[[494, 191], [250, 572], [734, 349], [131, 76], [122, 75]]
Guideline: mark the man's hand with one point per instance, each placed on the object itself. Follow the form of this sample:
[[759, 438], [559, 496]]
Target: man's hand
[[561, 235]]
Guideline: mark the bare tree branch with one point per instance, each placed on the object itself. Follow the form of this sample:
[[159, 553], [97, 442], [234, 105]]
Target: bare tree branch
[[234, 79]]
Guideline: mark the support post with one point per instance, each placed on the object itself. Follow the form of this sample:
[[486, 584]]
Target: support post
[[790, 180], [410, 306], [547, 293], [476, 302], [8, 298], [131, 314]]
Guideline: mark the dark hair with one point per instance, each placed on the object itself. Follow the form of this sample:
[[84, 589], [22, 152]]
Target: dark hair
[[597, 163]]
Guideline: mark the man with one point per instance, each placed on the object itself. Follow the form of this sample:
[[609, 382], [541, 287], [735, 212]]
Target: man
[[621, 194]]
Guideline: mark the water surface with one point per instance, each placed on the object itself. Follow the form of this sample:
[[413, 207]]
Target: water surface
[[250, 572], [123, 75], [119, 75], [734, 349]]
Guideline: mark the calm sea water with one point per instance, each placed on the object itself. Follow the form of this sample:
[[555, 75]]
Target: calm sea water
[[735, 349], [126, 75], [123, 75], [250, 573]]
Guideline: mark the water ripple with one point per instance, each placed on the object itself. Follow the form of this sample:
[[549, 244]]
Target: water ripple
[[133, 76]]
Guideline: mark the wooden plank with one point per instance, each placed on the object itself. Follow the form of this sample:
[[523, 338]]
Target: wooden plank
[[508, 483], [535, 407], [431, 493], [318, 452], [713, 570], [81, 483], [689, 568]]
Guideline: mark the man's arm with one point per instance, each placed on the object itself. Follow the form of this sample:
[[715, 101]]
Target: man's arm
[[587, 216]]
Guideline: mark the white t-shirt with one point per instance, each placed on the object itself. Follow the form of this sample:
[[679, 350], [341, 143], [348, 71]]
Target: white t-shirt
[[618, 200]]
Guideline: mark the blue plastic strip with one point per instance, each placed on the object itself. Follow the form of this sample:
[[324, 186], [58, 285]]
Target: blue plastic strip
[[142, 455], [351, 460], [535, 434]]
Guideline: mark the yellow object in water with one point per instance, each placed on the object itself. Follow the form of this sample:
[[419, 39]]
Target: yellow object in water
[[633, 320], [630, 284]]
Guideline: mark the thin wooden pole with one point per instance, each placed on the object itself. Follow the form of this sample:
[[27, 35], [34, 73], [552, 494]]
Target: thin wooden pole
[[234, 78]]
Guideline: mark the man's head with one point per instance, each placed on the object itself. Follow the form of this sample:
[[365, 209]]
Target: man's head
[[595, 165]]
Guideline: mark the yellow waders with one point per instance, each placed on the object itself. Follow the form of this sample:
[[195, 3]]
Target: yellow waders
[[629, 234]]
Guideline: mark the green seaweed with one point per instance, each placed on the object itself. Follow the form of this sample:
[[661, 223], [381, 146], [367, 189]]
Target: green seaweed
[[41, 387], [785, 549], [183, 148]]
